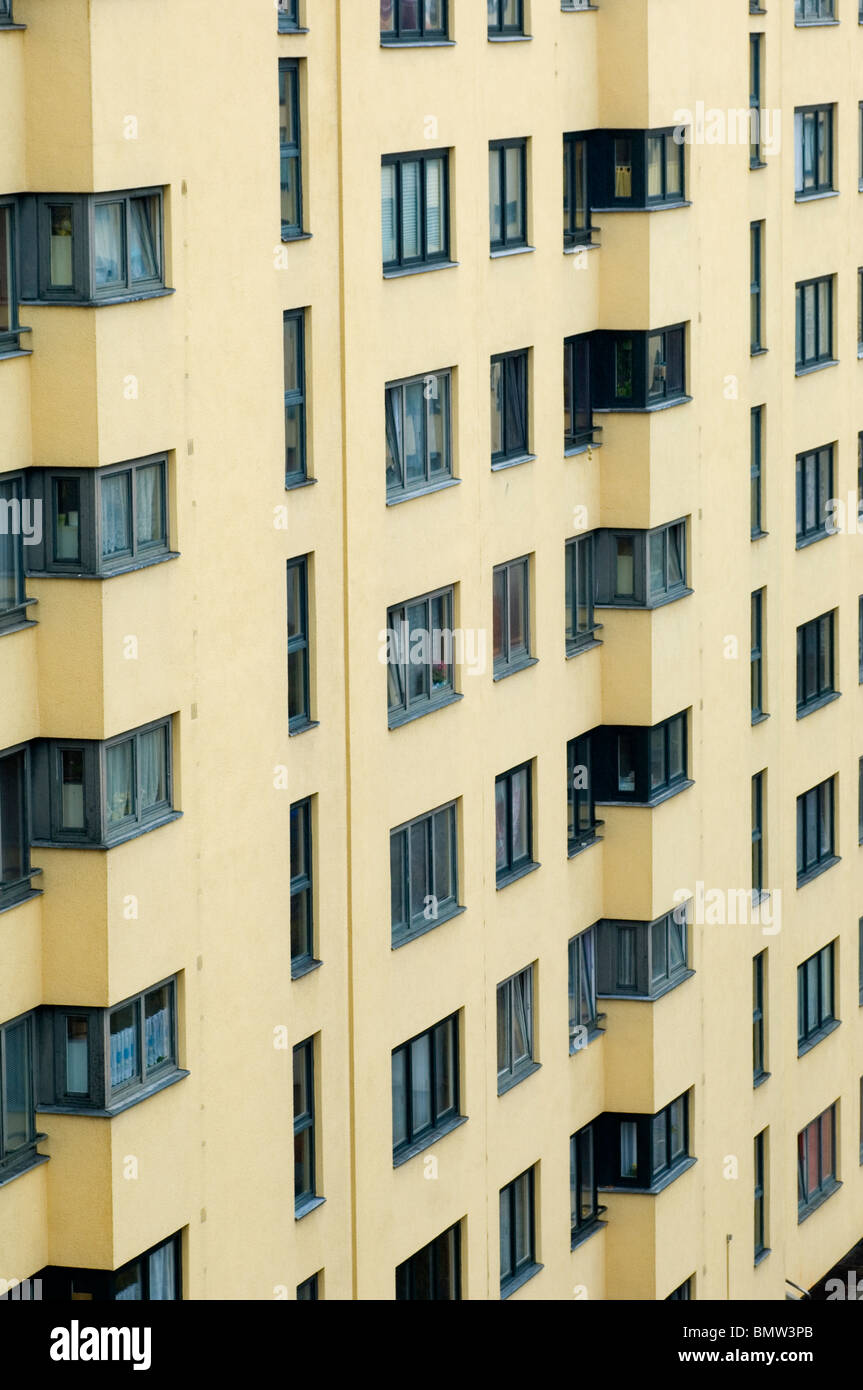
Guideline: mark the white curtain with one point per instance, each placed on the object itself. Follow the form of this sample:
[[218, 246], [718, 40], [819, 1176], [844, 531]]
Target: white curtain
[[118, 782], [157, 1029], [148, 486], [152, 756], [116, 536], [124, 1050], [142, 245], [108, 244], [163, 1280]]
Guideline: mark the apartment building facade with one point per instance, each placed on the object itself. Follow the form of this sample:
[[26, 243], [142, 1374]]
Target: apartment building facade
[[398, 508]]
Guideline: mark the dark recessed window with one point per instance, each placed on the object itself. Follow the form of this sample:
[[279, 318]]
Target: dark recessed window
[[860, 960], [756, 655], [5, 11], [576, 199], [633, 169], [425, 1087], [420, 655], [15, 871], [294, 337], [299, 680], [635, 764], [760, 1195], [860, 640], [18, 528], [814, 322], [643, 1150], [683, 1292], [289, 15], [638, 371], [101, 521], [517, 1232], [513, 823], [433, 1273], [581, 624], [759, 844], [91, 248], [86, 792], [302, 888], [583, 1201], [815, 662], [813, 11], [514, 1028], [756, 51], [814, 491], [636, 569], [413, 21], [756, 474], [305, 1189], [155, 1276], [507, 178], [423, 872], [418, 429], [759, 1018], [813, 149], [505, 17], [578, 426], [642, 958], [290, 149], [756, 246], [664, 167], [9, 340], [415, 209], [581, 810], [583, 1012], [509, 407], [815, 1002], [17, 1095], [816, 1162], [815, 828], [309, 1290], [511, 615]]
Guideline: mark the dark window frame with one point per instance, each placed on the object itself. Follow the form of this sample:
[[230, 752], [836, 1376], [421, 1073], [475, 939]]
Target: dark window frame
[[823, 798], [104, 1286], [760, 1193], [625, 749], [582, 1177], [425, 33], [505, 1002], [498, 27], [584, 1011], [621, 161], [34, 239], [756, 655], [13, 550], [305, 1123], [756, 256], [759, 1016], [814, 12], [513, 659], [812, 636], [402, 704], [822, 463], [581, 827], [309, 1290], [826, 1182], [420, 1135], [410, 1274], [295, 397], [299, 646], [756, 472], [756, 63], [288, 16], [758, 835], [632, 964], [512, 399], [579, 592], [578, 427], [402, 263], [576, 191], [514, 868], [23, 1155], [822, 118], [18, 890], [10, 339], [642, 593], [820, 357], [514, 1270], [655, 1163], [437, 387], [519, 240], [291, 150], [303, 887], [816, 995], [413, 924]]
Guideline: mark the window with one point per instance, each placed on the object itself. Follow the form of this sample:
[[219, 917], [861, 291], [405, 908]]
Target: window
[[91, 248], [641, 569], [423, 873], [18, 1136], [155, 1276], [860, 640], [813, 11], [756, 476], [756, 50], [860, 801], [5, 11], [101, 521], [859, 340], [509, 408], [511, 625], [815, 849], [665, 159], [581, 810], [289, 15], [141, 1043], [815, 663], [583, 1202], [643, 1151], [517, 1233], [633, 169], [581, 626], [418, 415], [815, 1001], [860, 960], [420, 652], [758, 836], [299, 680], [578, 426], [816, 1162], [415, 209], [756, 239], [814, 491], [507, 176], [813, 150], [756, 655], [643, 766], [860, 137], [760, 1202], [638, 371], [665, 364], [85, 792], [413, 21], [515, 1029], [425, 1089], [9, 341], [576, 200], [17, 516], [759, 1040], [584, 1015], [505, 18], [513, 823], [302, 895], [433, 1272], [15, 868], [814, 322], [308, 1291], [643, 959], [294, 336], [289, 149], [683, 1292], [305, 1190]]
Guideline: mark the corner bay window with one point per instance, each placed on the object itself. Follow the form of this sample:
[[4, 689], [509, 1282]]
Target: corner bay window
[[636, 569], [420, 655], [632, 169], [415, 209], [152, 1277], [101, 521], [91, 248], [638, 765], [18, 1137], [638, 370], [643, 1151], [425, 1088], [642, 959], [423, 873], [418, 415], [15, 868]]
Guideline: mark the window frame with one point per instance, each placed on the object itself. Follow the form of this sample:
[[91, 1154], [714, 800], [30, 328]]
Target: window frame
[[513, 392], [823, 119], [809, 635], [608, 764], [499, 28], [823, 461], [760, 1194], [517, 1271], [517, 1068], [756, 472], [303, 884], [407, 1275], [642, 594], [515, 868], [827, 1180], [577, 370], [580, 554], [415, 924], [300, 643], [520, 239], [34, 234], [408, 707], [759, 839], [824, 794], [627, 961], [584, 1011], [582, 1175], [824, 12], [759, 1017], [404, 264], [441, 1121], [822, 964], [756, 255], [104, 1093], [288, 16], [424, 34], [10, 338], [305, 1123], [579, 754], [24, 1155], [19, 890], [756, 98], [573, 235], [289, 71], [805, 364], [12, 541], [432, 479], [756, 656], [651, 1173], [508, 663], [295, 398]]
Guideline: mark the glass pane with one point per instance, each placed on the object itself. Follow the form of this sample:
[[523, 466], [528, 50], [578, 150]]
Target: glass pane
[[162, 1269], [72, 788], [18, 1074], [420, 886], [124, 1059], [302, 1096], [435, 212], [444, 865], [388, 206], [153, 754], [675, 556], [673, 169], [61, 246], [495, 196], [628, 1149], [623, 386], [504, 1033], [437, 393], [676, 748], [498, 584], [298, 699], [827, 1145], [301, 910], [119, 782], [623, 168], [291, 342], [522, 1039], [400, 1114], [625, 567], [825, 303], [445, 1062], [109, 250], [678, 1127], [500, 812], [158, 1027], [587, 1197], [442, 649], [520, 816], [676, 945], [496, 408], [523, 1250], [290, 190], [660, 1143], [116, 492], [150, 505], [656, 365], [144, 249], [128, 1285], [299, 832], [421, 1077], [514, 199], [13, 850], [656, 551], [5, 266], [517, 610], [658, 770], [77, 1056], [655, 159], [67, 519], [505, 1235], [659, 951], [398, 850], [303, 1176], [625, 763], [414, 433], [411, 209], [296, 615]]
